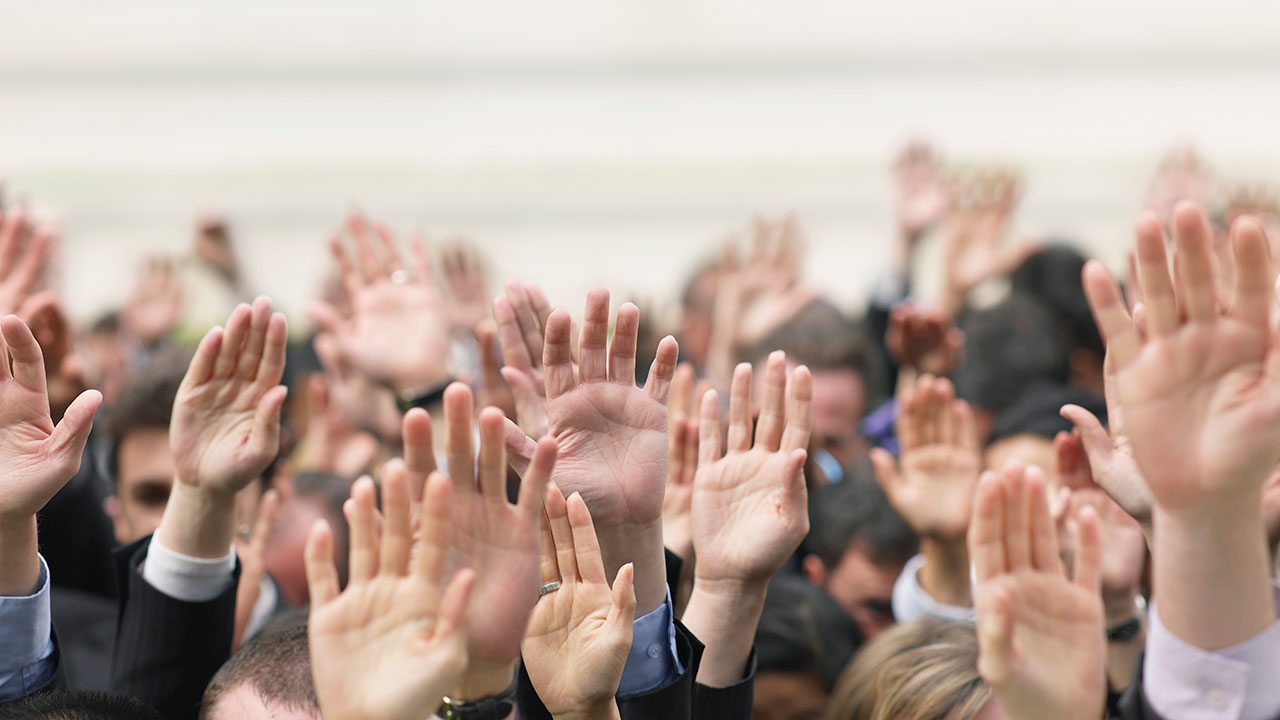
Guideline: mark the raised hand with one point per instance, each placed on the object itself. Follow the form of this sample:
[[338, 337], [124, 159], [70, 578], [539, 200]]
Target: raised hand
[[38, 457], [156, 304], [941, 461], [24, 250], [366, 404], [521, 315], [1201, 409], [924, 340], [921, 197], [496, 539], [612, 436], [580, 633], [1040, 635], [394, 641], [682, 461], [983, 205], [252, 551], [399, 330], [225, 429], [466, 278], [750, 511]]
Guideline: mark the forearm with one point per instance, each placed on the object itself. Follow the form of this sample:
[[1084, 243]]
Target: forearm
[[198, 523], [945, 575], [642, 546], [608, 711], [723, 615], [19, 561], [1212, 576], [482, 680]]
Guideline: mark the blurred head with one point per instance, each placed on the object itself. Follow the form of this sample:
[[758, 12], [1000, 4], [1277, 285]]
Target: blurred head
[[140, 460], [926, 670], [315, 496], [844, 370], [1009, 348], [1053, 277], [62, 705], [268, 679], [803, 642], [859, 545], [697, 312], [1026, 429]]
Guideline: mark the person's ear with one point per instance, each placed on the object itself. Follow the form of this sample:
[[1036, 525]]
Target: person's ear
[[119, 523], [814, 570]]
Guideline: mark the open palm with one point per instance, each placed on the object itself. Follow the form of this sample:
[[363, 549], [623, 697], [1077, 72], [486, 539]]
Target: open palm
[[750, 506], [1040, 635], [225, 426]]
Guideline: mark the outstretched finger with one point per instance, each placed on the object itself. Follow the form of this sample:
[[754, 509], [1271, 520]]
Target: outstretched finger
[[562, 533], [1158, 294], [533, 484], [799, 411], [322, 575], [1017, 520], [1088, 561], [493, 455], [530, 324], [255, 339], [549, 564], [586, 546], [664, 366], [593, 343], [772, 402], [237, 328], [1195, 263], [397, 536], [431, 547], [557, 355], [271, 367], [515, 352], [1044, 537], [419, 450], [987, 532], [459, 440], [739, 438], [1255, 281], [1108, 311], [24, 354], [622, 351], [709, 428], [351, 279], [362, 524]]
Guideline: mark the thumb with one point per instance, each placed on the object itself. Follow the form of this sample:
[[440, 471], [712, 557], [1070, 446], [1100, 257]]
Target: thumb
[[885, 467], [623, 611], [1096, 439], [520, 447], [995, 638], [68, 439]]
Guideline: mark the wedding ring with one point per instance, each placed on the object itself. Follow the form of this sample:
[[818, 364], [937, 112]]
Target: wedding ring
[[244, 532], [549, 588], [400, 277]]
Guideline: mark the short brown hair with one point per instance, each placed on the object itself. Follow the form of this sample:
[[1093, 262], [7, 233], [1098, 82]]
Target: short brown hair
[[145, 400], [277, 667]]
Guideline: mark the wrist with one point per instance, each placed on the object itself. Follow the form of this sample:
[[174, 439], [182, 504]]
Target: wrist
[[19, 557], [945, 575], [642, 546], [1119, 607], [418, 383], [482, 680], [197, 521], [607, 709]]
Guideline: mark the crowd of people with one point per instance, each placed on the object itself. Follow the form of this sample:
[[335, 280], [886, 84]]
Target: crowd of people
[[1043, 494]]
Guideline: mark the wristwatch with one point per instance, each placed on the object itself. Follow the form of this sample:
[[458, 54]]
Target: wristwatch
[[424, 399], [496, 707], [1124, 631]]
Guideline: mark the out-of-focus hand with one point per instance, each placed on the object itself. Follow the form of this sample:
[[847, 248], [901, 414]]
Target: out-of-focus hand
[[1110, 455], [38, 457], [399, 331], [156, 304], [494, 390], [252, 551], [682, 460], [225, 429], [330, 443], [1040, 635], [612, 436], [1181, 176], [521, 315], [924, 340], [24, 251], [580, 634], [750, 504], [391, 644], [366, 404], [940, 465], [982, 207], [921, 197], [496, 539], [466, 280], [1124, 545]]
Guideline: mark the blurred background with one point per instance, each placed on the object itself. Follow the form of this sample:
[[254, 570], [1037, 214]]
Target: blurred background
[[607, 142]]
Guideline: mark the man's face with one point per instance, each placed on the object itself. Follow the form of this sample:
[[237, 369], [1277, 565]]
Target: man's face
[[242, 703], [839, 402], [788, 696], [144, 479], [864, 588]]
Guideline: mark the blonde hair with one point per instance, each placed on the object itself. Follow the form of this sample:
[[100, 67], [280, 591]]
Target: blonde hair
[[927, 670]]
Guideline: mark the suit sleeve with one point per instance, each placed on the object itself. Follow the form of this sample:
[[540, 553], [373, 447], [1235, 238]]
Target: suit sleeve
[[727, 703], [167, 650]]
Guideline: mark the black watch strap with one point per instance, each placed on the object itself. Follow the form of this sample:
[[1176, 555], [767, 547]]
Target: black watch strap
[[496, 707], [1125, 631]]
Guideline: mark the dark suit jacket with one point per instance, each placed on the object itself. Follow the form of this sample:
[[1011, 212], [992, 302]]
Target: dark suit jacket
[[87, 637], [683, 700], [168, 650]]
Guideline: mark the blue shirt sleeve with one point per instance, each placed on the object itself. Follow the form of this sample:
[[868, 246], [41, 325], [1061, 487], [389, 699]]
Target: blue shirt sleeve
[[653, 662], [26, 641]]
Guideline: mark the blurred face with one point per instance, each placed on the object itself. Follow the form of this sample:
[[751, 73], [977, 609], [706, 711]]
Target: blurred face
[[144, 479], [864, 589], [242, 703], [1026, 448], [788, 696], [839, 402]]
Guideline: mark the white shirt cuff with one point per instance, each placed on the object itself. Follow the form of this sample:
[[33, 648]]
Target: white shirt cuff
[[183, 577], [911, 602]]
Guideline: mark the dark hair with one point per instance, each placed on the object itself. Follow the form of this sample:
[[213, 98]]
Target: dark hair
[[1036, 412], [276, 667], [329, 492], [853, 509], [1008, 348], [63, 705], [802, 630], [145, 400], [1053, 277], [699, 293], [823, 338]]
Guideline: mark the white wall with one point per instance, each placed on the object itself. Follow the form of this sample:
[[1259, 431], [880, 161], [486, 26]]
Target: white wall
[[625, 137]]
